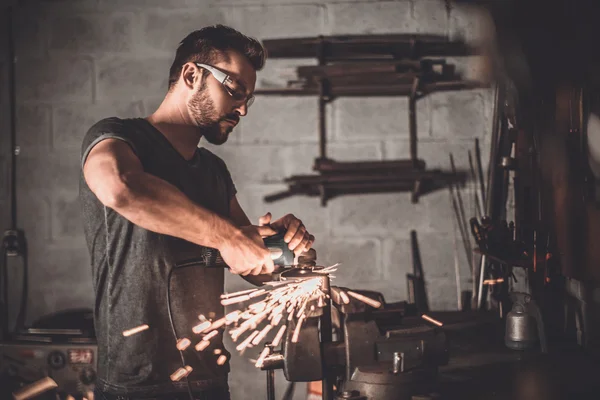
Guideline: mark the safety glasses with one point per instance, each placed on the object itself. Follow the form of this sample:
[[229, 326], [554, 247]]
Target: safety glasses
[[238, 95]]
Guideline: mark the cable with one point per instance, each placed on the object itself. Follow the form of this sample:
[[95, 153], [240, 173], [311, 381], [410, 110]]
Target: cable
[[177, 266]]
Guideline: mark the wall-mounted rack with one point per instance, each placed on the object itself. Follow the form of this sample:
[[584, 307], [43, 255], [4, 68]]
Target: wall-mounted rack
[[374, 65]]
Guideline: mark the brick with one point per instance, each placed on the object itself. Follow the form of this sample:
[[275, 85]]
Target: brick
[[57, 79], [69, 275], [29, 33], [132, 78], [34, 216], [458, 114], [180, 23], [370, 17], [471, 24], [441, 295], [360, 260], [440, 210], [438, 264], [92, 32], [431, 17], [71, 122], [308, 209], [271, 22], [252, 163], [377, 215], [274, 119], [40, 175], [66, 225], [438, 267], [367, 119], [436, 153], [33, 128], [299, 159]]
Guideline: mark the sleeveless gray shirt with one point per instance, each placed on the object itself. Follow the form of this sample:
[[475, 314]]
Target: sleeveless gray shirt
[[130, 266]]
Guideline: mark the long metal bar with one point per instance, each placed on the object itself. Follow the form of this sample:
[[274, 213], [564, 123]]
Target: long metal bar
[[13, 118], [412, 121], [326, 338], [462, 219], [322, 119], [270, 384], [401, 89]]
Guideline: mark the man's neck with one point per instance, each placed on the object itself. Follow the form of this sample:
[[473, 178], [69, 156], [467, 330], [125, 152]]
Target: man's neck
[[182, 135]]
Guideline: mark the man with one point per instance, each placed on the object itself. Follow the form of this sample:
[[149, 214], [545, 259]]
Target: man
[[151, 201]]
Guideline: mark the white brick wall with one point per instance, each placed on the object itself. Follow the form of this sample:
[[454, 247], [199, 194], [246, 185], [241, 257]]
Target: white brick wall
[[82, 60]]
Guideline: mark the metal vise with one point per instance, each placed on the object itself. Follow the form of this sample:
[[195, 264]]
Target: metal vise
[[378, 353]]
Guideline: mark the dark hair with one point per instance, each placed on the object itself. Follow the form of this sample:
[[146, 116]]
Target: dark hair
[[208, 45]]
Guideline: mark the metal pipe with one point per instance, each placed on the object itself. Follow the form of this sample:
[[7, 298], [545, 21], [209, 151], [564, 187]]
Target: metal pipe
[[326, 338], [270, 384], [322, 119], [481, 278], [412, 121], [12, 101]]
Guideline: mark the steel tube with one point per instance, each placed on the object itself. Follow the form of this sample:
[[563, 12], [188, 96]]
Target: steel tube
[[326, 338]]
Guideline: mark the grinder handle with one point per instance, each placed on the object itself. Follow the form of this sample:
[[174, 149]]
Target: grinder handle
[[280, 252]]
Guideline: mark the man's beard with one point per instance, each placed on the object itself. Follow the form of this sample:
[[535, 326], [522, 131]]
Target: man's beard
[[207, 119]]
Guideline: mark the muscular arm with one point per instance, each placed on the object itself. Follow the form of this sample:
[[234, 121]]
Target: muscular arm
[[115, 175]]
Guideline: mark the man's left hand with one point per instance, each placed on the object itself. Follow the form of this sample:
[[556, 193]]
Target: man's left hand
[[296, 235]]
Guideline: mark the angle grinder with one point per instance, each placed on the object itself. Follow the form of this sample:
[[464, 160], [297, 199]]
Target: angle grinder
[[287, 266]]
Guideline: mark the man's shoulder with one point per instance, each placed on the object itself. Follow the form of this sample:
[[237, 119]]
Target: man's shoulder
[[110, 125]]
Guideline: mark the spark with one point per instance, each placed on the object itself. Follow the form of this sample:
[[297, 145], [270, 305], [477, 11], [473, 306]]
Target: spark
[[261, 358], [279, 336], [365, 299], [297, 330], [135, 330], [201, 327], [201, 345], [222, 359], [210, 335], [183, 344], [433, 321], [181, 373], [493, 281]]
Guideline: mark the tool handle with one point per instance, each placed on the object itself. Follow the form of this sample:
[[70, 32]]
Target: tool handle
[[280, 252]]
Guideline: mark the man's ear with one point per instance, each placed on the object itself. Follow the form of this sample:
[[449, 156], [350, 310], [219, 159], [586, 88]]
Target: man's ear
[[190, 74]]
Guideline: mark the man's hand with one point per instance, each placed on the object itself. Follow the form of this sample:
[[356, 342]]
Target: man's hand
[[246, 253], [296, 235]]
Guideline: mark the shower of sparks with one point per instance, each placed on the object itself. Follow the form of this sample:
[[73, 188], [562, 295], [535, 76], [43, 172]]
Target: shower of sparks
[[278, 301], [283, 301]]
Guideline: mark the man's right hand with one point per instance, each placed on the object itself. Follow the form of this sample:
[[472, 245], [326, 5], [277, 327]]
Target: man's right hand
[[246, 253]]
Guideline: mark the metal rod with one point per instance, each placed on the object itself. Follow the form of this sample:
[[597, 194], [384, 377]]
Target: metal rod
[[412, 121], [462, 220], [322, 119], [13, 118], [481, 278], [326, 338], [270, 384]]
